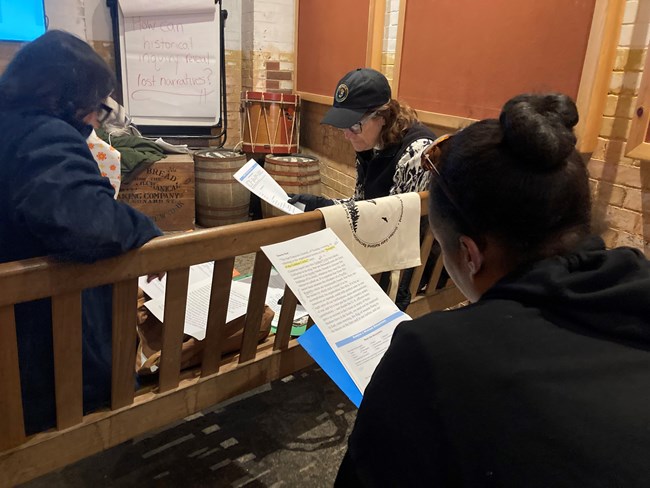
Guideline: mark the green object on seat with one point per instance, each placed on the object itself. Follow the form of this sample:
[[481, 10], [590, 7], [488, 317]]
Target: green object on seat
[[137, 153]]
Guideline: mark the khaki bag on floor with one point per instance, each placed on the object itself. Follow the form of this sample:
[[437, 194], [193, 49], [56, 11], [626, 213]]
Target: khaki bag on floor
[[149, 328]]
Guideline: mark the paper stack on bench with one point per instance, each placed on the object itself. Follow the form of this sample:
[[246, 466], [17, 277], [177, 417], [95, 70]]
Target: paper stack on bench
[[198, 299]]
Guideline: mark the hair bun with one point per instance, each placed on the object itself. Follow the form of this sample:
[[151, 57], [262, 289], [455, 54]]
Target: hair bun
[[539, 128]]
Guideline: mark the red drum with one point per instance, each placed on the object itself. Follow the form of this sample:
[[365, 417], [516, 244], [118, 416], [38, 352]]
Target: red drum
[[270, 122]]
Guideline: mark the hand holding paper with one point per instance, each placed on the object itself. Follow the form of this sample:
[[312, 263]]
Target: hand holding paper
[[310, 202], [259, 182]]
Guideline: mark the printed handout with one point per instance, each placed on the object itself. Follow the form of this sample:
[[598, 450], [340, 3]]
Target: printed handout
[[353, 313], [198, 301], [274, 292], [198, 298], [156, 287], [259, 182]]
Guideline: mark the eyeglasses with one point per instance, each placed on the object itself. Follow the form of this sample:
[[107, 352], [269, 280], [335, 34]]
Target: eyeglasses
[[430, 159], [103, 112], [358, 127]]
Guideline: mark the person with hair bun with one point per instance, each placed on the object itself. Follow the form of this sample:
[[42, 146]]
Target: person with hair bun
[[544, 379], [54, 201]]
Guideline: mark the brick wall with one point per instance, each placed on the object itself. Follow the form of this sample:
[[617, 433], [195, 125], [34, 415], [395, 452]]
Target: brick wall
[[233, 53], [268, 45], [390, 39], [279, 76], [233, 95], [620, 185], [335, 154]]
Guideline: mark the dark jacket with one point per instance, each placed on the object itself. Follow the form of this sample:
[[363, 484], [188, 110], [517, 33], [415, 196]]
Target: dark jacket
[[543, 382], [53, 201], [376, 170]]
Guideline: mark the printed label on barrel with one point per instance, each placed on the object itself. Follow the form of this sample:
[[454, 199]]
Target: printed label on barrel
[[293, 159], [218, 154]]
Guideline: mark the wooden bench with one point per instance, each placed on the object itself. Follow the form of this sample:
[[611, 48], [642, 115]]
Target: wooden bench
[[177, 393]]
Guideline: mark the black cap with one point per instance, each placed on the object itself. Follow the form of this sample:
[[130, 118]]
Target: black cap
[[356, 93]]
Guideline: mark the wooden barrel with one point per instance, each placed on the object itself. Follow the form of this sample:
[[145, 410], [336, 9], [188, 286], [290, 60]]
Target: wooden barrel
[[296, 173], [220, 199]]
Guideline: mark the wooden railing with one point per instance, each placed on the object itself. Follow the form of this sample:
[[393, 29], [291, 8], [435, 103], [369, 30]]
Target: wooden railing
[[177, 393]]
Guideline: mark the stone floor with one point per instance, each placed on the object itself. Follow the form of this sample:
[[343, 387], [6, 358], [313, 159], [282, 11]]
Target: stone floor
[[289, 433], [244, 263]]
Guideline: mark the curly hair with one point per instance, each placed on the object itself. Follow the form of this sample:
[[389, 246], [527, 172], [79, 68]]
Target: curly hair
[[399, 118]]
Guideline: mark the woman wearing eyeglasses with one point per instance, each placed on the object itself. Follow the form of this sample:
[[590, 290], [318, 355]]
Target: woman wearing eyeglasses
[[544, 379], [385, 134], [54, 201], [388, 140]]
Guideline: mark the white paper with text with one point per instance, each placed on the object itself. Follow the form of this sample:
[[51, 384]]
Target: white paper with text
[[354, 314], [156, 287], [274, 292], [259, 182], [198, 303]]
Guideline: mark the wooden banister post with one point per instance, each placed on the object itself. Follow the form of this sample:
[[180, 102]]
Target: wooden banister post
[[68, 376], [12, 431]]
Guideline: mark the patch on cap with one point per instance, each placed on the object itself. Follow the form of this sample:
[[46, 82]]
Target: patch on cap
[[342, 92]]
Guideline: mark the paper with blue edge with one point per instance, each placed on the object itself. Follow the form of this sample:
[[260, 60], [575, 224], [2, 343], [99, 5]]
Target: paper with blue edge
[[355, 316], [314, 342]]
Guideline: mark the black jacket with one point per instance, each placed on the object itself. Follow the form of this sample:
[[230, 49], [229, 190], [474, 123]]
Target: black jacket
[[54, 201], [545, 382], [376, 170]]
